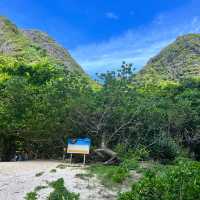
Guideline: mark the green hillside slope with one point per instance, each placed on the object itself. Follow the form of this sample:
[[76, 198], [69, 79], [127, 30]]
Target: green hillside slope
[[179, 60], [30, 46]]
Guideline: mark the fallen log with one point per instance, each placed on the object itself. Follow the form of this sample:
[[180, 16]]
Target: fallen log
[[109, 155]]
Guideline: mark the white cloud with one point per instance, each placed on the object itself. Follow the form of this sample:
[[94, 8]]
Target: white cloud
[[134, 46], [112, 15], [130, 47]]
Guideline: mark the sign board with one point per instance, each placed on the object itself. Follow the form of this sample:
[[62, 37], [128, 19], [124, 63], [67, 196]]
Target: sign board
[[78, 146]]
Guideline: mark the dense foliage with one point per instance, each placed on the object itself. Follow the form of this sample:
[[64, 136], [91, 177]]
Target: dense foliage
[[34, 107], [179, 182], [162, 117], [42, 104]]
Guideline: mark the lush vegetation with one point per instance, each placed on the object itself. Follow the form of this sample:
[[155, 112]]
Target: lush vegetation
[[161, 117], [34, 107], [41, 105], [45, 97], [177, 182]]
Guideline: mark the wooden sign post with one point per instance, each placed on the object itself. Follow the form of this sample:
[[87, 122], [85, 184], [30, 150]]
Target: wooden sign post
[[78, 146]]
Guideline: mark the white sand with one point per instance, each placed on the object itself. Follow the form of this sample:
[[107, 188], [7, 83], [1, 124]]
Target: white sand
[[18, 178]]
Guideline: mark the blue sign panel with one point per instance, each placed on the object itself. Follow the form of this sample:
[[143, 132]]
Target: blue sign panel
[[79, 145]]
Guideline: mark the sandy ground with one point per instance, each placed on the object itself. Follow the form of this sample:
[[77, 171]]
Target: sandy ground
[[19, 178]]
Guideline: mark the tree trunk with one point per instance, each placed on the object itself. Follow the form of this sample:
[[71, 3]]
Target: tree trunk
[[103, 141], [105, 152]]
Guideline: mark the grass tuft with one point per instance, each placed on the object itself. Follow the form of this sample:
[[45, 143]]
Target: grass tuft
[[39, 174], [60, 191], [31, 196], [40, 187], [84, 176], [53, 171], [109, 175], [61, 166]]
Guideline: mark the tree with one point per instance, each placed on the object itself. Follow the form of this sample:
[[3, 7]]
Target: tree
[[106, 113]]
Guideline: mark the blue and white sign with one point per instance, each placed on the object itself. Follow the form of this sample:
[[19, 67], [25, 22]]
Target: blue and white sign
[[78, 146]]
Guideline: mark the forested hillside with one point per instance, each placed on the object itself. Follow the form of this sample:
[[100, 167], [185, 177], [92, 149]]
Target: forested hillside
[[178, 61], [32, 45]]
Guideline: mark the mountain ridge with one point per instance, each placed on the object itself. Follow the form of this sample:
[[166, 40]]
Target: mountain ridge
[[180, 59], [32, 45]]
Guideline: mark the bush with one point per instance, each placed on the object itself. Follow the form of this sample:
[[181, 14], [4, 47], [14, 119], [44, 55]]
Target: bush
[[165, 149], [121, 150], [31, 196], [60, 192], [110, 175], [119, 175], [180, 182], [139, 153], [129, 164]]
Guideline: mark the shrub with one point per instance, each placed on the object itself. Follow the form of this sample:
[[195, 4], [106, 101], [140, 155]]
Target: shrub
[[119, 175], [60, 192], [31, 196], [165, 149], [129, 164], [141, 153], [121, 150], [109, 175], [180, 182]]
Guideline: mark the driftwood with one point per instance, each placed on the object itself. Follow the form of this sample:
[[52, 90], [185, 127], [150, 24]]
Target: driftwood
[[109, 156]]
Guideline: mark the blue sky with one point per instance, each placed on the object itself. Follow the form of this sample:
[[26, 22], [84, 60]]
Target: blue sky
[[100, 34]]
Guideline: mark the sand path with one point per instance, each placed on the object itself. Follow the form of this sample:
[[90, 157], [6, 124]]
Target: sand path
[[19, 178]]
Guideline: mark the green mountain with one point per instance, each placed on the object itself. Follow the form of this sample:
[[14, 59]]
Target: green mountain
[[32, 45], [179, 60]]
